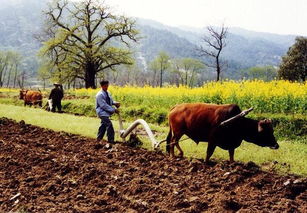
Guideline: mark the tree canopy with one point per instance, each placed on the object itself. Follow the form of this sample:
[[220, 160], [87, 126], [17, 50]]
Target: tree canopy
[[294, 65], [10, 73], [84, 38], [161, 63], [265, 73], [187, 69]]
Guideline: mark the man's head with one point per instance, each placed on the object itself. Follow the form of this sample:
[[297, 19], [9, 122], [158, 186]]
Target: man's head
[[104, 84], [57, 84]]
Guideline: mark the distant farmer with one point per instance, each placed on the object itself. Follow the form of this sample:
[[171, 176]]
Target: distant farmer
[[104, 110], [56, 96]]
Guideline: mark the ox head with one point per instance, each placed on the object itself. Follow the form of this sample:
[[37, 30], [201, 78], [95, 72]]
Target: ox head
[[265, 134], [22, 94]]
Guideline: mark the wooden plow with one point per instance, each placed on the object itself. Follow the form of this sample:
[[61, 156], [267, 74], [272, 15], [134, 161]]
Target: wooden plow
[[124, 133]]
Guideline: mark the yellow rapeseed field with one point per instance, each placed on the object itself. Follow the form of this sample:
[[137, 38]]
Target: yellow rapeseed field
[[266, 97], [275, 96]]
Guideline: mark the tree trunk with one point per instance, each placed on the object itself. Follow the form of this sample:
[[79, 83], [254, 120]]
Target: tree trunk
[[186, 77], [218, 69], [304, 73], [192, 78], [90, 74], [2, 74], [1, 82], [15, 77], [9, 78], [22, 79], [3, 78], [161, 73], [154, 78]]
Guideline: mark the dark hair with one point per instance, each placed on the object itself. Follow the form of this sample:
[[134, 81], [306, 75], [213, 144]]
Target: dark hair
[[104, 82]]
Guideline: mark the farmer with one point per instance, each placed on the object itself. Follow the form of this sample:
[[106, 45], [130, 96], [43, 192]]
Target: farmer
[[104, 110], [56, 96]]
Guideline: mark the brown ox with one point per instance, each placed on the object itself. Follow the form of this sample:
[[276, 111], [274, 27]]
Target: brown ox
[[31, 97], [202, 122]]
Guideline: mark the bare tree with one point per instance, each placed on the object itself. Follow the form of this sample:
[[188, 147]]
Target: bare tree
[[214, 42]]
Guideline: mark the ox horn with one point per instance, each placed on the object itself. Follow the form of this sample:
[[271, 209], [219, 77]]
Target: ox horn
[[242, 114]]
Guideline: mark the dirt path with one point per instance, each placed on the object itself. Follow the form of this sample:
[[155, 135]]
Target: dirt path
[[46, 171]]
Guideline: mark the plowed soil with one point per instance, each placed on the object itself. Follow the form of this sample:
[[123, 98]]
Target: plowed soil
[[46, 171]]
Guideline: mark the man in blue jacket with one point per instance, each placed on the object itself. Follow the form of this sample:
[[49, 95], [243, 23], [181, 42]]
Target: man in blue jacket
[[104, 110]]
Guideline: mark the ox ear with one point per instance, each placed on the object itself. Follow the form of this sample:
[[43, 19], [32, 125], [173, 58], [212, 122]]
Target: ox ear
[[268, 121], [260, 126], [263, 123]]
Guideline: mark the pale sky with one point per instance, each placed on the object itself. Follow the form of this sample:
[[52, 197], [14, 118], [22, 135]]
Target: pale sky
[[275, 16]]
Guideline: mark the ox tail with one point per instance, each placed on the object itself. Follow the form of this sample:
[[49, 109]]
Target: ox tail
[[168, 140]]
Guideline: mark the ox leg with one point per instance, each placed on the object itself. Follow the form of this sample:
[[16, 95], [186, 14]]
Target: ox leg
[[231, 154], [174, 142], [210, 150], [172, 147], [179, 148]]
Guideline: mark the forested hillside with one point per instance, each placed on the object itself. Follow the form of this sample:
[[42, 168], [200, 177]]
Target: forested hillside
[[19, 23], [21, 20]]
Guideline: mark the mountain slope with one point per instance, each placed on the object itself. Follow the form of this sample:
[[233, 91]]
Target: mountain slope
[[244, 47], [20, 20], [155, 40]]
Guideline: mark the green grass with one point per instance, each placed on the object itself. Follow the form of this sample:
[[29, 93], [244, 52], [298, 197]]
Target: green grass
[[291, 126], [289, 158]]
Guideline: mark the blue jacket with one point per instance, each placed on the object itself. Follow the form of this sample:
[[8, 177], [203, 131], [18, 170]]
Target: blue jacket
[[102, 108]]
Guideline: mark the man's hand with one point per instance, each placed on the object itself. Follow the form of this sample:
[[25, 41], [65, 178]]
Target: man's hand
[[117, 105]]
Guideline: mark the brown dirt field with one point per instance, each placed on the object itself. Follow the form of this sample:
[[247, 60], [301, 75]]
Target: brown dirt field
[[46, 171]]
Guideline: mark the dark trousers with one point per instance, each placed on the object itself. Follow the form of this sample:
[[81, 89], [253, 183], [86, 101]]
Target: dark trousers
[[106, 125], [56, 104]]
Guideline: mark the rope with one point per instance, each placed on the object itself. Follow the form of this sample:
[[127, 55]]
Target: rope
[[158, 144]]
